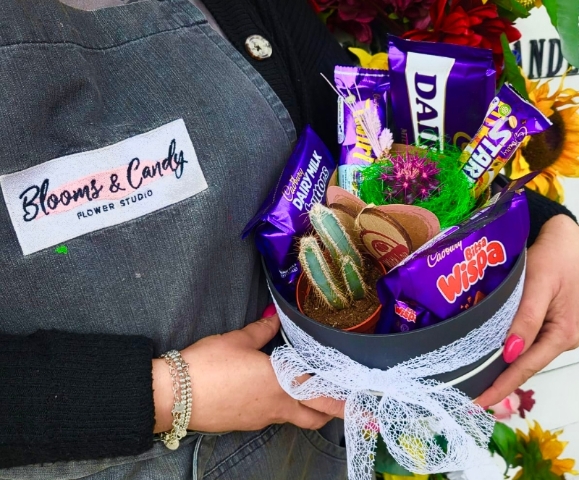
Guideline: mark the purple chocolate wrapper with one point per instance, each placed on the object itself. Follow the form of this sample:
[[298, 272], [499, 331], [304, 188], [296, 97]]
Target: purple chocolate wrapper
[[364, 89], [282, 216], [439, 92], [508, 122], [459, 267]]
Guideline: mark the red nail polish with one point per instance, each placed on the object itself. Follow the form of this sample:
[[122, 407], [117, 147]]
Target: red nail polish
[[513, 348], [269, 311]]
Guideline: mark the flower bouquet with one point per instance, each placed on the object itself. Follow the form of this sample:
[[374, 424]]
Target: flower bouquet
[[362, 27]]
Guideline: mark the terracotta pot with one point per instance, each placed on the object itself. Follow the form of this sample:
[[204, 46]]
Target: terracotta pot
[[303, 290]]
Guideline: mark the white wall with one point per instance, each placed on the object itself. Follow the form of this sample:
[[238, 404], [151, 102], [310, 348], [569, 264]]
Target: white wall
[[535, 29], [556, 388]]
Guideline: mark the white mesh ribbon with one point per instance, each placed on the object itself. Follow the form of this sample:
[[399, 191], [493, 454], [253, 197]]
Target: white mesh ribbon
[[407, 409]]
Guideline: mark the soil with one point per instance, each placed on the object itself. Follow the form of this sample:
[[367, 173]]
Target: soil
[[349, 317]]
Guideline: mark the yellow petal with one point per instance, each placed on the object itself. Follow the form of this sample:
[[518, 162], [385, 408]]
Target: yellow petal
[[552, 449], [562, 466], [379, 61], [555, 191], [363, 56], [567, 166], [519, 165]]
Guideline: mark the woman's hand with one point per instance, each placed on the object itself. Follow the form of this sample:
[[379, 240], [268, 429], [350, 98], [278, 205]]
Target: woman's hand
[[547, 322], [234, 385]]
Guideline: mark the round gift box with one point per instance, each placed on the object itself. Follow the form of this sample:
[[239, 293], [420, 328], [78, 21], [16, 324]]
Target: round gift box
[[385, 351]]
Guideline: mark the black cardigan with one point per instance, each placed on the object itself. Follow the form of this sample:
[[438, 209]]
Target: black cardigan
[[67, 396]]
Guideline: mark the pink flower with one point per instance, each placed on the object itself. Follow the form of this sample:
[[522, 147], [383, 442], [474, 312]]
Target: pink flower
[[507, 408]]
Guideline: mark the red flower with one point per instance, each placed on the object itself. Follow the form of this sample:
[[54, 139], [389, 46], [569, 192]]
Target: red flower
[[315, 6], [468, 22], [351, 16], [355, 16], [415, 10], [527, 401]]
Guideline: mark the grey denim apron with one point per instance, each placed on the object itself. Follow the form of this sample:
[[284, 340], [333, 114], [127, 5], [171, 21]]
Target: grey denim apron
[[76, 81]]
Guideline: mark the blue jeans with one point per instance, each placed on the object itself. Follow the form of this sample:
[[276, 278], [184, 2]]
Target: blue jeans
[[279, 452]]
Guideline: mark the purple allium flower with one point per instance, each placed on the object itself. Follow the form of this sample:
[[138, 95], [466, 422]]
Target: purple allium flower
[[409, 177]]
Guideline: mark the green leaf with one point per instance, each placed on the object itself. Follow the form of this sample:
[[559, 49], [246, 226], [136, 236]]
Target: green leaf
[[506, 14], [385, 463], [442, 442], [504, 442], [513, 7], [551, 7], [564, 16], [512, 73], [325, 15]]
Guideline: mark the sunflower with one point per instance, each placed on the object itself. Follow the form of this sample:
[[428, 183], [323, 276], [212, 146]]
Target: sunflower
[[528, 4], [539, 453], [556, 151]]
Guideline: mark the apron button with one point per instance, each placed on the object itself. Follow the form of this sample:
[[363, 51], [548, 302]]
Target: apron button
[[258, 47]]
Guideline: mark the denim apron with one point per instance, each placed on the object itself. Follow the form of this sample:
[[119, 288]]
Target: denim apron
[[77, 81]]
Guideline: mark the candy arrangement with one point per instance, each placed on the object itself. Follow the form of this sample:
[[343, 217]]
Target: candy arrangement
[[387, 202], [404, 243]]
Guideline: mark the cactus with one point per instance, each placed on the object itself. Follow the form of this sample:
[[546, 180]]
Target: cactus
[[340, 282], [320, 274], [353, 279], [333, 235]]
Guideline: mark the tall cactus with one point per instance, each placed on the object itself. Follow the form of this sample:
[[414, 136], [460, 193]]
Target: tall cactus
[[320, 274], [353, 279], [340, 282], [333, 235]]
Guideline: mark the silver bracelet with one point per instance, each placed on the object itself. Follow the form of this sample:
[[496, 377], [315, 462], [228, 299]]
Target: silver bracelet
[[179, 371]]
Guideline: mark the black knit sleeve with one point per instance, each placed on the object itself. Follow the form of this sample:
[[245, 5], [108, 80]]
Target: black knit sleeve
[[317, 52], [73, 397], [542, 209]]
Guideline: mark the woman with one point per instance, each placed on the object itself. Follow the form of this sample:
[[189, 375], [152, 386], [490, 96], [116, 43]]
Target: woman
[[183, 130]]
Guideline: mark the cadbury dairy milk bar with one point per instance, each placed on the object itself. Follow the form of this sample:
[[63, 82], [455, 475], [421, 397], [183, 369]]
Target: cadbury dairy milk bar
[[459, 267], [508, 121], [283, 215], [439, 92], [362, 91]]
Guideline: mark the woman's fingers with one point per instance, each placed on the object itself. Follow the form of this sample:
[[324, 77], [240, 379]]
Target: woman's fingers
[[308, 418], [256, 335], [330, 406], [547, 347], [538, 293]]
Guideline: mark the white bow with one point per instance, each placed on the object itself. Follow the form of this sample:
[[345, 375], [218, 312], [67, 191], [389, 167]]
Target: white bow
[[411, 412]]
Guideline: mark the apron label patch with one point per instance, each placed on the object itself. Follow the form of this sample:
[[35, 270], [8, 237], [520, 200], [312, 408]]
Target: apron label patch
[[77, 194]]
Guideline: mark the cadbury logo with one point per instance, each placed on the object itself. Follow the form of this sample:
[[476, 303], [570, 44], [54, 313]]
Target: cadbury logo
[[434, 258], [477, 258]]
